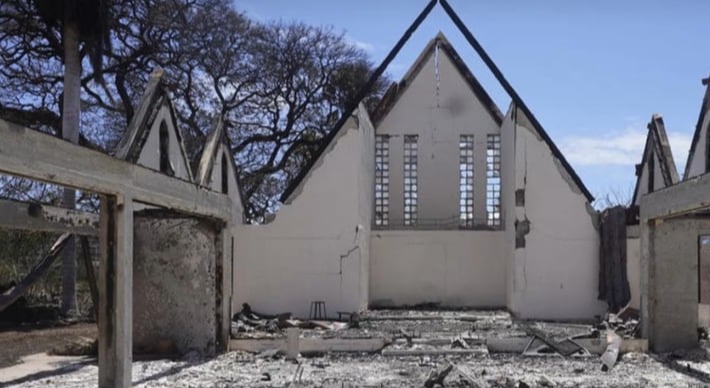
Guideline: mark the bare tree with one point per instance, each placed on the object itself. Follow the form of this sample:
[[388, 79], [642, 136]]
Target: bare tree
[[306, 77], [77, 21], [280, 86]]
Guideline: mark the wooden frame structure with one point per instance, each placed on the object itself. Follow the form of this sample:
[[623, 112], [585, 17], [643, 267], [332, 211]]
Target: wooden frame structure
[[34, 155]]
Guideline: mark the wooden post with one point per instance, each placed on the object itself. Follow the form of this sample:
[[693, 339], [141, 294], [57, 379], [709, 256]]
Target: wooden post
[[115, 292]]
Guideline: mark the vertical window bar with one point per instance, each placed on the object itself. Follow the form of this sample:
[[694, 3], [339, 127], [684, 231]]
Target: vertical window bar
[[382, 180], [466, 181], [493, 206], [410, 180]]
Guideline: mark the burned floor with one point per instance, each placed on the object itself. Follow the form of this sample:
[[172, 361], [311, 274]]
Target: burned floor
[[409, 348]]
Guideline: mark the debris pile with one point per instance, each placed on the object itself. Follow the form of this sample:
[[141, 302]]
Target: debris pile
[[626, 323], [248, 321]]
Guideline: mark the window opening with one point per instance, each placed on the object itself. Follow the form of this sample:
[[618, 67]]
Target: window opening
[[410, 180]]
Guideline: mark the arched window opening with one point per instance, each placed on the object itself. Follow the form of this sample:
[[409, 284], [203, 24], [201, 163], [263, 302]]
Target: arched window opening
[[225, 171], [651, 172], [164, 149]]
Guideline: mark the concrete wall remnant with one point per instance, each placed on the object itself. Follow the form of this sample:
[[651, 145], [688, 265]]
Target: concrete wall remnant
[[672, 283], [561, 240], [318, 246], [438, 105], [446, 267], [175, 284]]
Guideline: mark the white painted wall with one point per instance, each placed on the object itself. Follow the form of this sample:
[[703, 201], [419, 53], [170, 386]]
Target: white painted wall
[[633, 268], [284, 265], [150, 154], [439, 116], [508, 185], [453, 268], [697, 159], [556, 275], [658, 182], [232, 184]]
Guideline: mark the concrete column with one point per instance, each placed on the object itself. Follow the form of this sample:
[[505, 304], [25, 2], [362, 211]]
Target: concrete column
[[292, 343], [115, 292]]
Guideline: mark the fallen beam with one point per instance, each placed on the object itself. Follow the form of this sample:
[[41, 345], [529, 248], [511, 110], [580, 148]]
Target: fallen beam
[[593, 345], [70, 165], [11, 295], [310, 345], [45, 218], [467, 318], [440, 341], [430, 352]]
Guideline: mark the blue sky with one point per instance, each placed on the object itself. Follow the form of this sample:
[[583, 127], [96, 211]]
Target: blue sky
[[592, 72]]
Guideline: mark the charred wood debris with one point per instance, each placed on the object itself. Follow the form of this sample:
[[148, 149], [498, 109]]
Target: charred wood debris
[[533, 337]]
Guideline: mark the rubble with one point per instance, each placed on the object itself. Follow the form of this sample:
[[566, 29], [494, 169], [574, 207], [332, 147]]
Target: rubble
[[415, 356]]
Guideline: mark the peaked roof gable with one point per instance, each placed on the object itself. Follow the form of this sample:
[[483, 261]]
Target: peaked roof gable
[[657, 147], [388, 59], [216, 141], [699, 129], [440, 42], [154, 99]]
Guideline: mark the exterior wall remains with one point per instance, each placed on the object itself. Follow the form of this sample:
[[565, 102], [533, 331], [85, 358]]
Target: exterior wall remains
[[174, 282], [438, 105], [150, 154], [672, 282], [658, 183], [317, 248], [449, 268], [555, 265], [696, 160], [633, 264]]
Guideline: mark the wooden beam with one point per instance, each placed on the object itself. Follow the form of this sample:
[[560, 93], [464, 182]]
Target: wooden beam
[[35, 155], [115, 292], [10, 296], [683, 198], [45, 218]]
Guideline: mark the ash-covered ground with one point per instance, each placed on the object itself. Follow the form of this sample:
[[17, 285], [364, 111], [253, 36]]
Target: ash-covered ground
[[239, 369]]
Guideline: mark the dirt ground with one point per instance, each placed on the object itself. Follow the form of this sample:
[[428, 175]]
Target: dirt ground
[[30, 339]]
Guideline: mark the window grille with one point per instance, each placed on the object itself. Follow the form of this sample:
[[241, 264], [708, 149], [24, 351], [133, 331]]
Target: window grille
[[466, 180], [493, 207], [410, 179], [382, 180]]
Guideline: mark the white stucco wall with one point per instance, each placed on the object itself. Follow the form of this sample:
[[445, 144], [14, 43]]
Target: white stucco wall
[[453, 268], [555, 276], [508, 184], [439, 115], [296, 259], [658, 183], [150, 154], [232, 184], [633, 268], [696, 162]]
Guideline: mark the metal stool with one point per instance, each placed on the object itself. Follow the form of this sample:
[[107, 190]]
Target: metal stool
[[318, 310]]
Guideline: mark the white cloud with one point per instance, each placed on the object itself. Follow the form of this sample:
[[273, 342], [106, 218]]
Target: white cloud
[[365, 46], [621, 148]]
